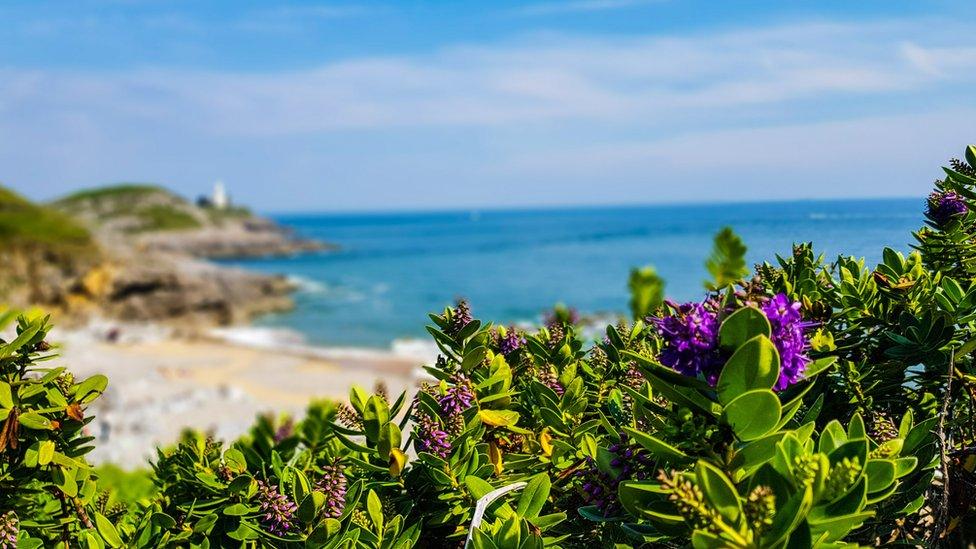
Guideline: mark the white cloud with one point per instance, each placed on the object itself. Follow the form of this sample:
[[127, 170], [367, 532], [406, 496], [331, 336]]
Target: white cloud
[[557, 79], [537, 105]]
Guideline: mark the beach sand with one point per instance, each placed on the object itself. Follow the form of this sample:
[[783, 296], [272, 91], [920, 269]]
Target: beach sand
[[158, 387]]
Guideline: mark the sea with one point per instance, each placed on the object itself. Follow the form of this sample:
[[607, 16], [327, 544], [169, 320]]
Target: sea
[[392, 269]]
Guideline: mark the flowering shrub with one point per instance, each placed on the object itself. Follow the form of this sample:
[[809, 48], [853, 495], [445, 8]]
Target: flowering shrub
[[813, 404]]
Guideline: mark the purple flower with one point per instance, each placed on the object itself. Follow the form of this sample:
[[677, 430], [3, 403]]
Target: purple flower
[[943, 206], [333, 485], [599, 487], [9, 527], [548, 378], [690, 340], [510, 342], [279, 509], [285, 430], [787, 334], [459, 397], [460, 317], [428, 436]]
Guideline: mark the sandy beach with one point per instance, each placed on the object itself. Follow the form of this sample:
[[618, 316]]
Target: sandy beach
[[161, 385]]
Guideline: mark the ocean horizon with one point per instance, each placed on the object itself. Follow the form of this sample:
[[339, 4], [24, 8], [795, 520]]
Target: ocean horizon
[[392, 268]]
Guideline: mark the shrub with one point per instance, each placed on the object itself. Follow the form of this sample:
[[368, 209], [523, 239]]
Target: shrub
[[816, 404]]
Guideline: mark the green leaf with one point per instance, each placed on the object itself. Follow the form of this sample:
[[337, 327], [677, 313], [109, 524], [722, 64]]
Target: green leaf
[[390, 438], [91, 388], [837, 527], [33, 420], [880, 473], [205, 524], [534, 496], [718, 490], [498, 418], [788, 517], [375, 510], [741, 326], [237, 510], [700, 539], [818, 366], [646, 292], [754, 365], [22, 338], [376, 413], [107, 531], [656, 447], [6, 395], [753, 414], [727, 262], [162, 520]]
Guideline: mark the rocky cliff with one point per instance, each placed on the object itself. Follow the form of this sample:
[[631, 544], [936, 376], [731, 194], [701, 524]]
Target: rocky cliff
[[136, 253]]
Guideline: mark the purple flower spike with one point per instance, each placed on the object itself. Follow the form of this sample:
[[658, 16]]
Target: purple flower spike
[[9, 528], [333, 485], [279, 509], [429, 436], [943, 206], [511, 342], [459, 397], [690, 341], [787, 334]]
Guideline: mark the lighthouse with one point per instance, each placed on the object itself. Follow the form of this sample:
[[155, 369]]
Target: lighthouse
[[219, 198]]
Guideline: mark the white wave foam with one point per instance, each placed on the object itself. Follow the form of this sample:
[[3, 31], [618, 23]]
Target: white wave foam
[[308, 285]]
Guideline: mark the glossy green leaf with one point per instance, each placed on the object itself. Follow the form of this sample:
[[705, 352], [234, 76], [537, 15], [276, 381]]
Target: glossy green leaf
[[754, 365], [741, 326], [753, 414], [719, 491]]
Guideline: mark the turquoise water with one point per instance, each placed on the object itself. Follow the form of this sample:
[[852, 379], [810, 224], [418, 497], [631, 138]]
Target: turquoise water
[[393, 268]]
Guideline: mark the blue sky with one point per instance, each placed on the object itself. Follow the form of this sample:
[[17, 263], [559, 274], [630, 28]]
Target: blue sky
[[368, 105]]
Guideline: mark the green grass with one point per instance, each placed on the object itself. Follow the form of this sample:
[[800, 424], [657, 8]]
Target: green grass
[[165, 218], [23, 223], [128, 200], [122, 190]]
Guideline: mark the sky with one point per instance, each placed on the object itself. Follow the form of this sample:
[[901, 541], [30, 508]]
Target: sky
[[348, 106]]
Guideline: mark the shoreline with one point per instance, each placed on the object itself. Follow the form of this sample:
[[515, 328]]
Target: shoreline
[[160, 384]]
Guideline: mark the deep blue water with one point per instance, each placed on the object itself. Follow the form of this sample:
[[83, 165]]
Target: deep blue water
[[393, 268]]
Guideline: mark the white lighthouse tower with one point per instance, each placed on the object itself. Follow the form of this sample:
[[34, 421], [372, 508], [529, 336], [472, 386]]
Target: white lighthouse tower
[[219, 198]]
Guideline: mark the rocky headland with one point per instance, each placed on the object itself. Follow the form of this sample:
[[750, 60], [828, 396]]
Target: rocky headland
[[139, 253]]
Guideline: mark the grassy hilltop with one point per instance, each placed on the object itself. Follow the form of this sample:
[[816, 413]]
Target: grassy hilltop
[[24, 224], [137, 208]]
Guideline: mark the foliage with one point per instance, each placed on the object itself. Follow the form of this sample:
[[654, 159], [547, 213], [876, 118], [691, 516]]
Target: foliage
[[48, 493], [727, 262], [646, 292], [816, 404]]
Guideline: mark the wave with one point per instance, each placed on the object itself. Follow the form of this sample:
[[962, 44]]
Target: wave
[[283, 339]]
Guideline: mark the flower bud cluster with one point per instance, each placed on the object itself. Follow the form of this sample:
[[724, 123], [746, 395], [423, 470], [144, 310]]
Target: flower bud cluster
[[688, 498], [841, 477], [279, 509], [332, 484], [9, 528]]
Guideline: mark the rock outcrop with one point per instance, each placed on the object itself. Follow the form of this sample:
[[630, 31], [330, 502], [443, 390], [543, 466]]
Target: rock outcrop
[[138, 254]]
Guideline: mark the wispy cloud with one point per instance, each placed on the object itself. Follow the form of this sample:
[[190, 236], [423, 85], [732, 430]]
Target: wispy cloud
[[541, 108], [580, 6]]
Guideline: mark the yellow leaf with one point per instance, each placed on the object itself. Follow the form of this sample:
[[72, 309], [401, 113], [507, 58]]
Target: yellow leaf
[[498, 418], [545, 441], [398, 460], [45, 453], [495, 457]]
